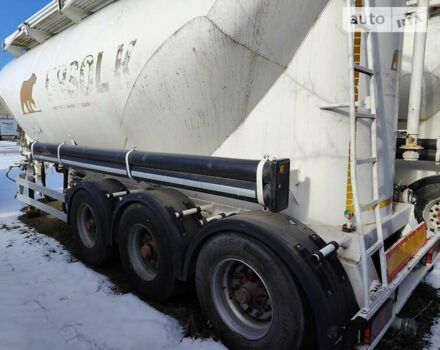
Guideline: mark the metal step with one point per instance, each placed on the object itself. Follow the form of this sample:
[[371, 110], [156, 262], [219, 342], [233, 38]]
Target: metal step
[[361, 115], [371, 160], [364, 27], [367, 205], [374, 248], [364, 70], [331, 107]]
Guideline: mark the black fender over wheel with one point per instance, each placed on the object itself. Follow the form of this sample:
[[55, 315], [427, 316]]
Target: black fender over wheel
[[249, 295], [151, 243], [325, 291], [90, 217]]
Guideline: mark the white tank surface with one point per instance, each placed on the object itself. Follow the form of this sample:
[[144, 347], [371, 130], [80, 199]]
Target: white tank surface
[[234, 78], [430, 111], [189, 70]]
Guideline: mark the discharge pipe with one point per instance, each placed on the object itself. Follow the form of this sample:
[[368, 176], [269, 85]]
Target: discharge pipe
[[411, 147]]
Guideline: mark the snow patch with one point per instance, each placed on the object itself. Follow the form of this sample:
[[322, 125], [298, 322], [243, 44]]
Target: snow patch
[[50, 301]]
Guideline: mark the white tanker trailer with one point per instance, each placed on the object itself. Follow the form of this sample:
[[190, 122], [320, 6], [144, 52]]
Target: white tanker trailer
[[247, 146]]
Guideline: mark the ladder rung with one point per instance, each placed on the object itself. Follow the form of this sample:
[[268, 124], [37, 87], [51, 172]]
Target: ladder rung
[[370, 204], [364, 27], [364, 70], [361, 115], [335, 106], [366, 161], [374, 248]]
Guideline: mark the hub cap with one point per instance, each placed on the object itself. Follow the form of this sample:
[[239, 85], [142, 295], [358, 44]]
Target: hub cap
[[431, 214], [87, 225], [144, 252], [242, 299]]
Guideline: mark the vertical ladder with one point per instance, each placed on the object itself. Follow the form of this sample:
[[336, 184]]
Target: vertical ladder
[[355, 161], [356, 70]]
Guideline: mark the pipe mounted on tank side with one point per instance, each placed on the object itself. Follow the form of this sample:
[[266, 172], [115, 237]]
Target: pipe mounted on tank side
[[264, 182]]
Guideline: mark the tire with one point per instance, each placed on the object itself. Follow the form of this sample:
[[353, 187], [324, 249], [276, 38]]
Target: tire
[[90, 217], [252, 274], [428, 205], [146, 249]]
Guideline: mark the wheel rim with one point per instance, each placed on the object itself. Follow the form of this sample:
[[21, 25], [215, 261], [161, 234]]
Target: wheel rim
[[87, 225], [431, 214], [144, 253], [242, 299]]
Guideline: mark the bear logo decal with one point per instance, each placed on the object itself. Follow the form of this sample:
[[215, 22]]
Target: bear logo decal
[[27, 102]]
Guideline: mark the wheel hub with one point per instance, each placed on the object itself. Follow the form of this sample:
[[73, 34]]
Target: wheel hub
[[242, 299], [144, 252], [149, 250], [251, 295], [432, 215], [243, 296], [86, 225]]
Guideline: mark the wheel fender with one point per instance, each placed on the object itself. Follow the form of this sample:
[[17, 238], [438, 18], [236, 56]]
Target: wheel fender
[[424, 182], [157, 201], [326, 286]]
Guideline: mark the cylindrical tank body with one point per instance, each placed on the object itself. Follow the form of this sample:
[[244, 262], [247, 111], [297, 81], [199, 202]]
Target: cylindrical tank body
[[408, 172], [228, 78]]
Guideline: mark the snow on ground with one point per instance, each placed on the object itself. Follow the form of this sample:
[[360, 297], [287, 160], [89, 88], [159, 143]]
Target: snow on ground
[[49, 301]]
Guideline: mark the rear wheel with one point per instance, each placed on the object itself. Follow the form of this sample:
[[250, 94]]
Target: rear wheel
[[249, 295], [146, 249], [90, 219], [428, 205]]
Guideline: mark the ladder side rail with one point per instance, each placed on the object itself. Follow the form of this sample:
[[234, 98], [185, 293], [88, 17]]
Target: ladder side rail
[[374, 126], [353, 160]]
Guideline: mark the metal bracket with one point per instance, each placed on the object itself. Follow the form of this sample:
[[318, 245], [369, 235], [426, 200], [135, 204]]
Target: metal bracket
[[75, 14], [23, 187], [35, 34]]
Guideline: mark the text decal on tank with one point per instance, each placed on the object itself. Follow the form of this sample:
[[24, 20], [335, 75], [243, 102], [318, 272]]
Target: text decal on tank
[[82, 78]]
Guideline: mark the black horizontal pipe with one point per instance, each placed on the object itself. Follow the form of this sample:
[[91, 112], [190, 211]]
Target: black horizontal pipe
[[228, 177], [238, 169]]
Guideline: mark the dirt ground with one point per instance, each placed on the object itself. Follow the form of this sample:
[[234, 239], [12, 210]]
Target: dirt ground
[[424, 305]]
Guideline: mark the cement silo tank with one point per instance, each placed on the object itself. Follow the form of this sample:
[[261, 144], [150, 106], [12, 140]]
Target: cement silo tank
[[187, 71], [227, 78]]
